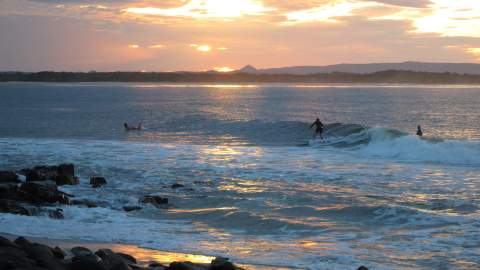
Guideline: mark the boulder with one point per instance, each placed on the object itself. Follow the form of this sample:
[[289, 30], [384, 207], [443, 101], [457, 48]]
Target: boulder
[[89, 261], [88, 203], [66, 169], [42, 192], [81, 251], [51, 265], [22, 242], [59, 253], [156, 266], [103, 253], [40, 173], [9, 191], [220, 263], [97, 181], [110, 260], [56, 214], [157, 201], [128, 258], [362, 268], [39, 252], [186, 266], [12, 258], [8, 177], [130, 208], [12, 207], [63, 174], [120, 266], [64, 179], [4, 242]]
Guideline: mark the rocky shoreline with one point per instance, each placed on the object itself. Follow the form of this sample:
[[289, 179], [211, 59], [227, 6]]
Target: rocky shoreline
[[23, 254], [34, 191]]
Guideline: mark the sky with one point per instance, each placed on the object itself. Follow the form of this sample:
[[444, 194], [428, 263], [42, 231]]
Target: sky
[[197, 35]]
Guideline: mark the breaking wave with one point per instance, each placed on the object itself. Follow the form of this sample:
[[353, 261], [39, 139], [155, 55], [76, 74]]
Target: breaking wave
[[391, 143]]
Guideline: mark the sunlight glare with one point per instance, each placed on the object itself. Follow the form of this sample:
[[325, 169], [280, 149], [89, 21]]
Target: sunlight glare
[[223, 69], [204, 48]]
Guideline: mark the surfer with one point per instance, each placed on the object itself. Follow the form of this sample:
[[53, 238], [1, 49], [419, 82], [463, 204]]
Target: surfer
[[419, 131], [128, 128], [319, 128]]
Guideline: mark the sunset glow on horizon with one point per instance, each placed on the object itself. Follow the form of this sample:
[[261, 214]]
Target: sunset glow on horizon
[[223, 69], [199, 34]]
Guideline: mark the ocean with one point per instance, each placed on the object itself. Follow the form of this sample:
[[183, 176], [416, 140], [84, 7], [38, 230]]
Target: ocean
[[258, 188]]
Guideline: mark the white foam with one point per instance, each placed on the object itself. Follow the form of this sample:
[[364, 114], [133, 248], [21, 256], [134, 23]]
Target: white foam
[[414, 148]]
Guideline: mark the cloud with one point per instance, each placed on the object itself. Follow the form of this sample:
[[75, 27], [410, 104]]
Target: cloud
[[459, 18], [328, 12], [82, 34], [207, 9]]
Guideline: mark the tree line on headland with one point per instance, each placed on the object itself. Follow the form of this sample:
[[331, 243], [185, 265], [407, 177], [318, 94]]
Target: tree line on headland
[[388, 76]]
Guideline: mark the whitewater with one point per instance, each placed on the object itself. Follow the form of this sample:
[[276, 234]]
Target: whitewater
[[258, 188]]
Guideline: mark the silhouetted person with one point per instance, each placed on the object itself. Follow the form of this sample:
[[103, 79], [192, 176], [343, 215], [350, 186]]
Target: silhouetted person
[[319, 128], [128, 128], [419, 131]]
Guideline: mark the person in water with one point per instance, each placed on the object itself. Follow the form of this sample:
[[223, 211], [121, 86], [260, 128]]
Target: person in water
[[128, 128], [419, 131], [319, 128]]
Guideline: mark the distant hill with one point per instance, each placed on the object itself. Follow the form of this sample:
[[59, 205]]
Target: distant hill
[[460, 68], [388, 77]]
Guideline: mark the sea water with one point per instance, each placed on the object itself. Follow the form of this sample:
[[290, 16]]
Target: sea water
[[257, 187]]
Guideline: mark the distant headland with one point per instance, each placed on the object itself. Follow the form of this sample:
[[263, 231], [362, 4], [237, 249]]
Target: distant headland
[[399, 73]]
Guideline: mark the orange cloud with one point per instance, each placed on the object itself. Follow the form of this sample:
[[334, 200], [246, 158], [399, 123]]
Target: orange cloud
[[207, 9]]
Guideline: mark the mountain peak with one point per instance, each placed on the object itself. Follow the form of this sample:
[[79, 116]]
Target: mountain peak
[[248, 69]]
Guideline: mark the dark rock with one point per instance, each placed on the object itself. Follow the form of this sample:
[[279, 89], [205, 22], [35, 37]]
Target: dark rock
[[63, 174], [42, 192], [130, 208], [56, 214], [362, 268], [97, 181], [88, 203], [40, 173], [22, 242], [8, 188], [4, 242], [177, 185], [156, 266], [39, 252], [8, 177], [9, 191], [155, 200], [127, 257], [120, 266], [66, 169], [81, 251], [103, 253], [186, 266], [59, 253], [111, 259], [220, 263], [84, 262], [51, 264], [12, 207], [33, 176], [11, 258], [63, 179]]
